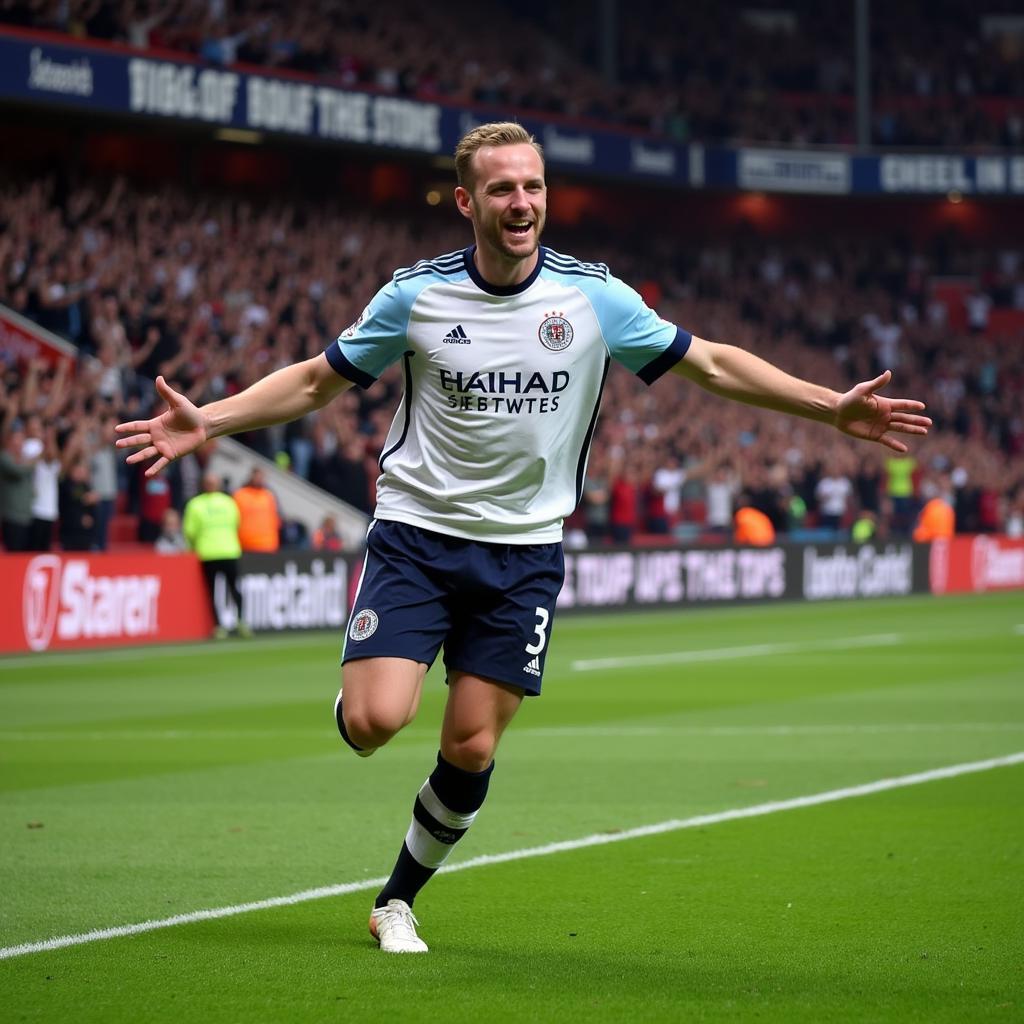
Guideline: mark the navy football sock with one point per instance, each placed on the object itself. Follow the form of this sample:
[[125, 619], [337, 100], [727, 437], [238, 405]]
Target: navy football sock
[[444, 809]]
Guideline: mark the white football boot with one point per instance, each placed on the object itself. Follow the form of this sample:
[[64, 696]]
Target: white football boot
[[394, 927]]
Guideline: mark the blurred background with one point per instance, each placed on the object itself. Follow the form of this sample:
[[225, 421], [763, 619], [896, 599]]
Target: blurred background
[[211, 189]]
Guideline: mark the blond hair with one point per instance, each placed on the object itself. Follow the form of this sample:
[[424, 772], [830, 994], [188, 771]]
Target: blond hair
[[496, 133]]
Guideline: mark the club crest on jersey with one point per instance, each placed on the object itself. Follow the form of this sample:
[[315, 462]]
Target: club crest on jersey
[[364, 624], [555, 332]]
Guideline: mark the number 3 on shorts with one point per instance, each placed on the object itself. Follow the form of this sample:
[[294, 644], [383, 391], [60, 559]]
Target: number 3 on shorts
[[541, 630]]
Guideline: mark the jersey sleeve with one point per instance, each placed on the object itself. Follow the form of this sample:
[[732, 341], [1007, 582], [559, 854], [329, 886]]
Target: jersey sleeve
[[362, 352], [636, 336]]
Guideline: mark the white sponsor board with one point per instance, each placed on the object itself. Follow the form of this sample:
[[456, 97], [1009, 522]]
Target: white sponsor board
[[781, 170]]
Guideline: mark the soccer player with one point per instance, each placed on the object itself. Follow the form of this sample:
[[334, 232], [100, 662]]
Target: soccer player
[[505, 347]]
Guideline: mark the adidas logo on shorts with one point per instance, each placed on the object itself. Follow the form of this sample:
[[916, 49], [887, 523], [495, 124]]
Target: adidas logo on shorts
[[457, 336], [533, 667]]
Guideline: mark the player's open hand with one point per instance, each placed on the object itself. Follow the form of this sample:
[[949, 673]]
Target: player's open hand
[[865, 414], [177, 431]]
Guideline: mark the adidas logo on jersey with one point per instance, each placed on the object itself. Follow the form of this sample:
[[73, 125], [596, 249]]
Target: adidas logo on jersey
[[533, 667], [457, 336]]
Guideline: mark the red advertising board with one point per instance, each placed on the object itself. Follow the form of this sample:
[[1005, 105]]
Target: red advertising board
[[964, 565], [57, 602]]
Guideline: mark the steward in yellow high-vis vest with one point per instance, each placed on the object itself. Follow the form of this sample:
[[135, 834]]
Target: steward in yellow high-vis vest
[[210, 526]]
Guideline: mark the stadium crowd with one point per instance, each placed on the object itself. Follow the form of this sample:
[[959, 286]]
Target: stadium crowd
[[215, 292], [942, 75]]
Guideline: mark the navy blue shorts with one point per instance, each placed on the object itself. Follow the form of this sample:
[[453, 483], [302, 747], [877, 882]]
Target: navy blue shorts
[[490, 605]]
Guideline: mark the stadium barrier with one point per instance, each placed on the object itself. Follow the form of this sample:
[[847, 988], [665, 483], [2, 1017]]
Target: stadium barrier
[[66, 601], [978, 564], [73, 601], [674, 577]]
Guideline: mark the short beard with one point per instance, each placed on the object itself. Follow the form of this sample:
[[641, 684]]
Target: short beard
[[516, 255], [511, 254]]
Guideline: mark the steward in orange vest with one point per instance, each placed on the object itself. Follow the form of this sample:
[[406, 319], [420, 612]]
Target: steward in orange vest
[[259, 523], [751, 526], [937, 520]]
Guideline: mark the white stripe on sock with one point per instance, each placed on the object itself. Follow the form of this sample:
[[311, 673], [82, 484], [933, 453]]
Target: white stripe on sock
[[426, 850], [437, 810]]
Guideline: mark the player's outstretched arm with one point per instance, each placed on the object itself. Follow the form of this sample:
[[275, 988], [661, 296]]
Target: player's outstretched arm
[[861, 412], [182, 427]]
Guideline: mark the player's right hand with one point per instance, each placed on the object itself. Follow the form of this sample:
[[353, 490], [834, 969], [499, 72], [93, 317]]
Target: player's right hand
[[175, 432]]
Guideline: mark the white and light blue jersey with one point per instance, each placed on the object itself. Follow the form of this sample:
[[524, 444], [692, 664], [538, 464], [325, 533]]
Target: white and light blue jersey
[[502, 388]]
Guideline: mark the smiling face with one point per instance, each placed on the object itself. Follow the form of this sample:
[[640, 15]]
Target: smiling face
[[507, 202]]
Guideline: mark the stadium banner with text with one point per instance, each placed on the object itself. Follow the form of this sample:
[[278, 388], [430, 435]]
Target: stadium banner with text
[[977, 564], [23, 341], [292, 590], [86, 75], [115, 79], [65, 601]]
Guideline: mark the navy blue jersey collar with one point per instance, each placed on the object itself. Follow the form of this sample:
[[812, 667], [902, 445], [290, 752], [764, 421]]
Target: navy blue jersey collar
[[498, 289]]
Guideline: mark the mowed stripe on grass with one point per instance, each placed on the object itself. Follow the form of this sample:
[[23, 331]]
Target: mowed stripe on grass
[[565, 846]]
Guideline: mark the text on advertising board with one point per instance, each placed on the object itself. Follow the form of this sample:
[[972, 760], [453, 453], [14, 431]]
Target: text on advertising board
[[288, 593], [626, 578], [863, 572], [64, 596], [63, 601]]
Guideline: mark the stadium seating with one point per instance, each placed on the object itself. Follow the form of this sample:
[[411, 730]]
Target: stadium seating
[[202, 288]]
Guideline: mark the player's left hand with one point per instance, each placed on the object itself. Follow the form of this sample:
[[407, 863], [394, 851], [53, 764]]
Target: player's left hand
[[863, 413], [178, 430]]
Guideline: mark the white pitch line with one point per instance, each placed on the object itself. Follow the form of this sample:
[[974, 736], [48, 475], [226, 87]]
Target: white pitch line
[[565, 846], [747, 651]]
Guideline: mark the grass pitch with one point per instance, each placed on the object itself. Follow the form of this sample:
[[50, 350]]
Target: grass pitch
[[139, 785]]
